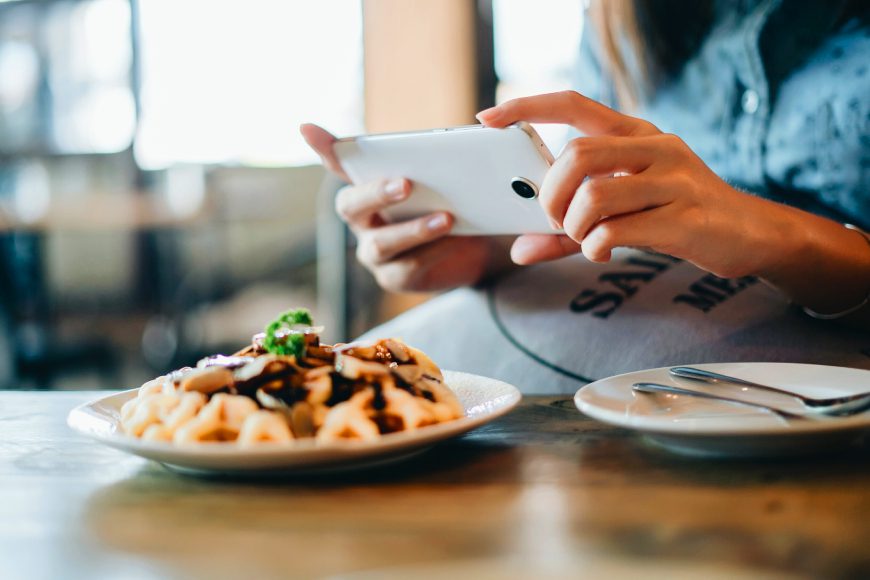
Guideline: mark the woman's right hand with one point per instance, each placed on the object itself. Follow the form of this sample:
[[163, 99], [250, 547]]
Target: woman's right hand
[[413, 255]]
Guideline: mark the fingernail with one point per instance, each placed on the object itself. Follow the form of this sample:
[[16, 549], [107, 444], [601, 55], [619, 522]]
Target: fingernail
[[436, 222], [395, 190], [491, 112], [520, 251]]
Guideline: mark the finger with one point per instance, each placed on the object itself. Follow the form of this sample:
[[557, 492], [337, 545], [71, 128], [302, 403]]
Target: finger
[[444, 263], [647, 229], [602, 197], [380, 245], [533, 248], [358, 205], [566, 107], [321, 141], [593, 157]]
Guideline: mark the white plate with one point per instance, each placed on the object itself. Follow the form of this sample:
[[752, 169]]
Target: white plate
[[706, 427], [484, 400]]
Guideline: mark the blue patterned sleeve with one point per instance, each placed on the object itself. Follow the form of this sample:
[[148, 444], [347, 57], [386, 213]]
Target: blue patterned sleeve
[[818, 143]]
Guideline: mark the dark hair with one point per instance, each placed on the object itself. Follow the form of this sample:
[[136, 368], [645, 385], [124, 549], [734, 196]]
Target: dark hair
[[657, 35]]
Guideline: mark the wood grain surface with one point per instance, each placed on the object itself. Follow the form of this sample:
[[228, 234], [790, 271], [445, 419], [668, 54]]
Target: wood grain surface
[[544, 492]]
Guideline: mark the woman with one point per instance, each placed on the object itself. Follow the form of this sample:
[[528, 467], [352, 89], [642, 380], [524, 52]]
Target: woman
[[747, 150]]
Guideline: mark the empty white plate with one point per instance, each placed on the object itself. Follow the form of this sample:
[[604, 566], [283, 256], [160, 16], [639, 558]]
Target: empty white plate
[[716, 428], [484, 400]]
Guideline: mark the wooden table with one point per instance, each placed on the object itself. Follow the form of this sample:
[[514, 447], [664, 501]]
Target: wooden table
[[543, 492]]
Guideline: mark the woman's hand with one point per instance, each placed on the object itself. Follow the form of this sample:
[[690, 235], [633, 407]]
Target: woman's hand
[[414, 255], [628, 184], [669, 201]]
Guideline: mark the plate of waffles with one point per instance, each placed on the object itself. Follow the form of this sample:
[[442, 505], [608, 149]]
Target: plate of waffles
[[287, 403]]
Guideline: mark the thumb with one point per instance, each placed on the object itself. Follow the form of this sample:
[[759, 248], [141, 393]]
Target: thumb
[[533, 248], [321, 141]]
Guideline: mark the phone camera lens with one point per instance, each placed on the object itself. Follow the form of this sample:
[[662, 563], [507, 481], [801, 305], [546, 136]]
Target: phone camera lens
[[524, 188]]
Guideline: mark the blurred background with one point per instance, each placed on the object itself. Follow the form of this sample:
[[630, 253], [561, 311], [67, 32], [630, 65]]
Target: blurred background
[[156, 200]]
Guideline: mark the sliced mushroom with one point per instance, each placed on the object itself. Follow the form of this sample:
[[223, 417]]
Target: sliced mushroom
[[312, 337], [409, 374], [354, 368], [175, 376], [207, 381], [427, 364], [365, 350], [316, 372], [269, 371], [268, 400], [322, 351], [315, 362], [398, 350]]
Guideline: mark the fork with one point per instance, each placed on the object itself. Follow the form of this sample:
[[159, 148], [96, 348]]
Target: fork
[[674, 390], [844, 405]]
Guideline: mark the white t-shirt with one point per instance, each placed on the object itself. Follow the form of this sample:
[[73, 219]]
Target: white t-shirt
[[554, 327]]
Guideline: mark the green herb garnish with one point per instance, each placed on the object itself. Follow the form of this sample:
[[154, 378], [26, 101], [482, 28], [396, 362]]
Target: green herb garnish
[[292, 343]]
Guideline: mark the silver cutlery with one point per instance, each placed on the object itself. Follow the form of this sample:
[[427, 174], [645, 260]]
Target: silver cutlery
[[844, 405], [673, 390]]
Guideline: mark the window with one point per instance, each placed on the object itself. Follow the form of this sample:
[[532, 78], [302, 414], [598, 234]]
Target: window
[[536, 45], [65, 77], [230, 82]]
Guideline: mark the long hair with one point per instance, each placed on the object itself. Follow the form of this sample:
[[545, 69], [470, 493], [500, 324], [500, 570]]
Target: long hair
[[655, 36]]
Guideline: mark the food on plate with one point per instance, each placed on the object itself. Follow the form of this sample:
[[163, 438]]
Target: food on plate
[[287, 386]]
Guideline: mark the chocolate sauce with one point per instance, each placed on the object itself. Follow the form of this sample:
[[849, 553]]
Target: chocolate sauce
[[389, 423], [404, 385], [290, 395], [342, 389], [379, 403], [285, 376]]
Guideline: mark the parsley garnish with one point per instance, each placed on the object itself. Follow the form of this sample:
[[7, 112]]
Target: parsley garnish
[[290, 344]]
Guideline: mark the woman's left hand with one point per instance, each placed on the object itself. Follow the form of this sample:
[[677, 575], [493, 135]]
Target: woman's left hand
[[628, 184]]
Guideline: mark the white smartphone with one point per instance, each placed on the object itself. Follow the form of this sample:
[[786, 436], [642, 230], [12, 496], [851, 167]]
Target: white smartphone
[[487, 178]]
